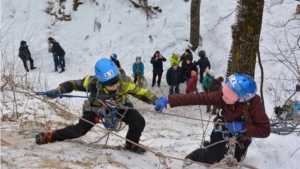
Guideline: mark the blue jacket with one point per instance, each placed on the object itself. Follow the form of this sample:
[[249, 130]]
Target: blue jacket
[[138, 68]]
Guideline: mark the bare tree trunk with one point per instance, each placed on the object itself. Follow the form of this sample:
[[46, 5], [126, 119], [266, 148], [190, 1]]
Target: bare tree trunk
[[195, 24], [245, 37]]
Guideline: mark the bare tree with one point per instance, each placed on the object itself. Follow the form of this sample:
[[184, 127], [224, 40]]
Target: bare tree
[[245, 37], [195, 24]]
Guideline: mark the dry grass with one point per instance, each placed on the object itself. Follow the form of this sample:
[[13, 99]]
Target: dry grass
[[4, 143], [119, 164]]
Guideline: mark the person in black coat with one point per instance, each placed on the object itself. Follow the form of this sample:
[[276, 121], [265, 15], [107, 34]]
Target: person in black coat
[[59, 51], [187, 69], [25, 55], [157, 62], [203, 63], [215, 86], [174, 78], [186, 55]]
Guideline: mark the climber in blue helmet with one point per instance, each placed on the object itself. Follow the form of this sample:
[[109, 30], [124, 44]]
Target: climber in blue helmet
[[108, 83]]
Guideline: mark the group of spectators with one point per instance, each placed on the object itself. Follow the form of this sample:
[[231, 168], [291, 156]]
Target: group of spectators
[[53, 47], [186, 73]]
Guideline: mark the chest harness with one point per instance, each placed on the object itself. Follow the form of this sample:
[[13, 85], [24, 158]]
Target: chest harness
[[107, 110], [231, 138]]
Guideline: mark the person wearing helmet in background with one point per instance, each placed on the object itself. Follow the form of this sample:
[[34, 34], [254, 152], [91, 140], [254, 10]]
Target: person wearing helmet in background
[[137, 69], [108, 83], [114, 57], [242, 113]]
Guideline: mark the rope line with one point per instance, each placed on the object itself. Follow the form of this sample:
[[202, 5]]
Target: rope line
[[230, 162], [226, 161], [274, 125], [158, 154]]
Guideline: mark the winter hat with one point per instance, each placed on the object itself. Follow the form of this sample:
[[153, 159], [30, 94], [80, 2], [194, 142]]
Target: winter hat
[[22, 43], [193, 73], [174, 64], [188, 50], [211, 73], [220, 79], [157, 52], [229, 93], [202, 53], [138, 57], [175, 56]]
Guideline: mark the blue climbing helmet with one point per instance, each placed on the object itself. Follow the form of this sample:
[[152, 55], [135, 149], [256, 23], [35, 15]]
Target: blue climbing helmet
[[114, 56], [106, 72], [242, 85]]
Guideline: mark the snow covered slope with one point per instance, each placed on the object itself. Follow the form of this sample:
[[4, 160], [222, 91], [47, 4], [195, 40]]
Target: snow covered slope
[[125, 31]]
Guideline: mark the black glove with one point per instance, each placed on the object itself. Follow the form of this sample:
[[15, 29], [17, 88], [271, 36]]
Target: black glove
[[53, 93]]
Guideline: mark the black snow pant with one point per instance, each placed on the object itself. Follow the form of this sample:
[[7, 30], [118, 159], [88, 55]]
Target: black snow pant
[[132, 118], [154, 78], [215, 154], [201, 76], [25, 63]]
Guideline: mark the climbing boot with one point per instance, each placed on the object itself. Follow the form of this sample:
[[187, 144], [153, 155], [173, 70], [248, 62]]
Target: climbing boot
[[44, 138], [135, 149]]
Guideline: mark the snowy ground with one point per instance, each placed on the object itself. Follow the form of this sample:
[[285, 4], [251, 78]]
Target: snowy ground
[[126, 32]]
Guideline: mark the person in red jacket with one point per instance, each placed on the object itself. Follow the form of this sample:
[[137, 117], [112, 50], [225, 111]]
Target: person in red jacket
[[192, 83], [242, 115]]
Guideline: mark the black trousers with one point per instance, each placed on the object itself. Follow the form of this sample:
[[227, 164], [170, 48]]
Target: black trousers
[[154, 78], [201, 76], [132, 118], [135, 79], [215, 154], [25, 63]]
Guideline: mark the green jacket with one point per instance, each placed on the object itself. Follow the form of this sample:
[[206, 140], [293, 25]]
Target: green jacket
[[174, 59], [126, 86]]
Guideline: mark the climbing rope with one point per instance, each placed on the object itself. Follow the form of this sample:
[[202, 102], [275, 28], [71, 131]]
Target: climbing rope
[[161, 156], [158, 154], [230, 162]]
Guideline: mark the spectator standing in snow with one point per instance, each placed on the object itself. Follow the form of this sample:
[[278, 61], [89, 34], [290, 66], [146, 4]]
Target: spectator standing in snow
[[25, 55], [114, 57], [137, 69], [174, 59], [187, 69], [174, 77], [192, 83], [207, 81], [215, 86], [242, 115], [55, 57], [157, 62], [186, 55], [59, 51], [108, 83], [203, 63]]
